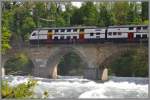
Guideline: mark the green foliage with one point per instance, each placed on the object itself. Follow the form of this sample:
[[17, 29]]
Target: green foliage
[[45, 94], [27, 26], [6, 33], [17, 20], [60, 22], [106, 16], [133, 16], [132, 63], [6, 89], [146, 22], [145, 10], [120, 11], [86, 15], [19, 63], [24, 90], [89, 14], [5, 39]]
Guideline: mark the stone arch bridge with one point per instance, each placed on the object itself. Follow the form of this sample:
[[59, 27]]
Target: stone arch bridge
[[95, 56]]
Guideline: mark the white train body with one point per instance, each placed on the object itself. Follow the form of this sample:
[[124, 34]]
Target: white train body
[[89, 34]]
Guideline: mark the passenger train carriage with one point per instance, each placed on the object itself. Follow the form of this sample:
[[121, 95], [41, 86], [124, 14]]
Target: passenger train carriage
[[123, 33]]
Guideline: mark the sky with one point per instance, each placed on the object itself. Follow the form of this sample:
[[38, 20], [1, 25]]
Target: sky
[[77, 4]]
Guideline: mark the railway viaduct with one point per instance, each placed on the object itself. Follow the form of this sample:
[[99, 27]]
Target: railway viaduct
[[95, 57]]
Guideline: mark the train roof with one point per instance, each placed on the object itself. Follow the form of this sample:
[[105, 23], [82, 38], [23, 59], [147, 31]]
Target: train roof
[[79, 27], [87, 27], [124, 26]]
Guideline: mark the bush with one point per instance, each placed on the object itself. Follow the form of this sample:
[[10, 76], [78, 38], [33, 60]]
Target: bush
[[132, 63], [19, 64], [24, 90]]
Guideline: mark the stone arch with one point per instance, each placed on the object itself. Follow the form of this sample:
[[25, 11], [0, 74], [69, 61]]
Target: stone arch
[[55, 57], [103, 67]]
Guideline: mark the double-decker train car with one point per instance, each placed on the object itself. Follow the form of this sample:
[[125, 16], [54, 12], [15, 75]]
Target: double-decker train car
[[89, 34], [127, 33]]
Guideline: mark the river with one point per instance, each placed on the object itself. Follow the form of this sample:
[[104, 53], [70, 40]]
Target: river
[[76, 87]]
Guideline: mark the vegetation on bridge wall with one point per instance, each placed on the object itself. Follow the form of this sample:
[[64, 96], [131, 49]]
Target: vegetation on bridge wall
[[19, 65], [134, 62]]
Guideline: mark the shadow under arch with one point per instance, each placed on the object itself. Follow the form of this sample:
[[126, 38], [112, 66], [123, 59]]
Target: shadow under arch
[[55, 58]]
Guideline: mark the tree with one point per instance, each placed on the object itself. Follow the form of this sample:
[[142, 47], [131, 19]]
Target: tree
[[5, 39], [89, 14], [68, 13], [76, 17], [145, 10], [106, 17], [60, 22], [86, 15], [133, 62], [27, 26], [133, 16], [120, 11], [6, 33]]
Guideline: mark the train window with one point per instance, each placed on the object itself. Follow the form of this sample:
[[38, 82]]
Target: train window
[[138, 36], [110, 33], [49, 30], [56, 38], [62, 37], [33, 34], [81, 30], [74, 30], [138, 28], [119, 33], [74, 37], [91, 34], [68, 30], [68, 37], [114, 33], [144, 36], [62, 30], [98, 37], [131, 28], [145, 27], [56, 30], [97, 33]]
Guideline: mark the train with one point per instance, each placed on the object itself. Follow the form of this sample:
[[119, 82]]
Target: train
[[89, 34]]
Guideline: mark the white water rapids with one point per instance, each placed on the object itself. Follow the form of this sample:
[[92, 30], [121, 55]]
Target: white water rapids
[[116, 87]]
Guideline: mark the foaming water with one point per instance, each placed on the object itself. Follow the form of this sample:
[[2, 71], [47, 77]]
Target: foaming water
[[116, 87]]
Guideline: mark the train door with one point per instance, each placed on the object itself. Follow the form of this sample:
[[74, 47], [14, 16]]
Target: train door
[[49, 37], [106, 33], [81, 36], [130, 36]]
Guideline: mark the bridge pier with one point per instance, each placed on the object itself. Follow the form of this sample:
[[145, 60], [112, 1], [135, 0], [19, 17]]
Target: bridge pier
[[53, 72], [90, 73], [3, 71], [104, 74]]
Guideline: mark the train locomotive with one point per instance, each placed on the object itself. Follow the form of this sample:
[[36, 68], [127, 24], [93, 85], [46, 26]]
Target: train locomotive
[[90, 34]]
